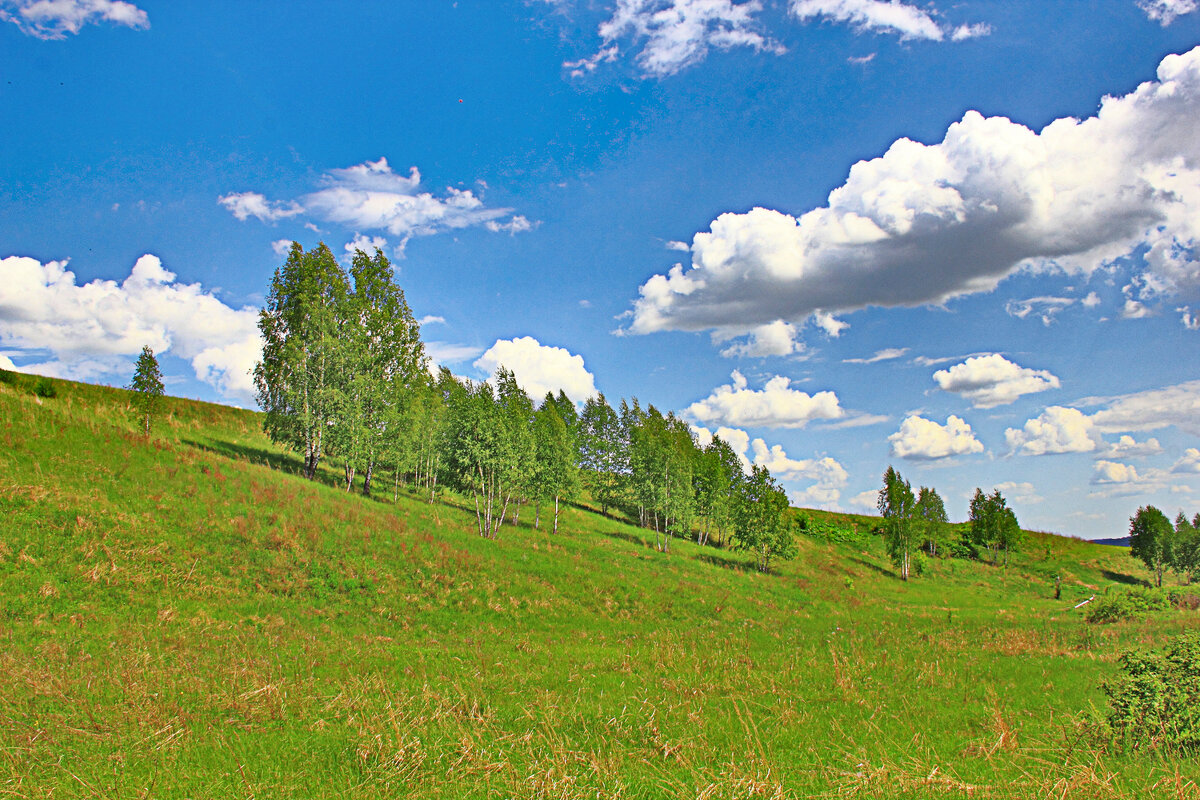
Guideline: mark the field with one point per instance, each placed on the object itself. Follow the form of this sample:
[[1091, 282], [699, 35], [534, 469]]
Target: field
[[187, 617]]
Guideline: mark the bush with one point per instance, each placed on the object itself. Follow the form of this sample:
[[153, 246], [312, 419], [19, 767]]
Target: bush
[[1129, 604], [45, 388], [828, 531], [1155, 701], [7, 377]]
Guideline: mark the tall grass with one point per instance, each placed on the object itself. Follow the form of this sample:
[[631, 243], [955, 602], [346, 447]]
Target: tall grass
[[185, 616]]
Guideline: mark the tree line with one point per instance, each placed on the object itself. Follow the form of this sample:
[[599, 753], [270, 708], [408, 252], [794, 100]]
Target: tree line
[[344, 374], [1159, 545]]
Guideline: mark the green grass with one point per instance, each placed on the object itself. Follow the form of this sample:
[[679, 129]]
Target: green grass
[[187, 617]]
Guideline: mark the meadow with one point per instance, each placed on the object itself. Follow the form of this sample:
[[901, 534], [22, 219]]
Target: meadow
[[186, 616]]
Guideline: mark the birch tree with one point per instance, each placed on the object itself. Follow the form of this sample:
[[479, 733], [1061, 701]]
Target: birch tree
[[897, 506]]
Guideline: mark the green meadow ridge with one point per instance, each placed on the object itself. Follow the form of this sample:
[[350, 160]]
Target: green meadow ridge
[[185, 615]]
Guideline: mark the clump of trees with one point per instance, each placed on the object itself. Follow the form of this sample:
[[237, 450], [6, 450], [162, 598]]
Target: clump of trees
[[1159, 545], [913, 523], [344, 373]]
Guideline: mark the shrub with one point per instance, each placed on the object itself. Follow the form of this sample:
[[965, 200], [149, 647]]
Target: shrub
[[7, 377], [45, 388], [1155, 701], [1129, 604]]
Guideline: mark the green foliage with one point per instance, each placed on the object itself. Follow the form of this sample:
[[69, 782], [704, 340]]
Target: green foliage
[[994, 525], [897, 506], [829, 531], [603, 452], [1155, 701], [760, 520], [147, 388], [298, 379], [7, 376], [45, 388], [1150, 540], [1133, 603]]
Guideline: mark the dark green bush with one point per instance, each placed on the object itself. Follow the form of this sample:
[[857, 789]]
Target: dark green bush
[[1128, 604], [1155, 701], [7, 377], [45, 388]]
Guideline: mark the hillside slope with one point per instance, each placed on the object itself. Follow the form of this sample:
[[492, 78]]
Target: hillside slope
[[186, 616]]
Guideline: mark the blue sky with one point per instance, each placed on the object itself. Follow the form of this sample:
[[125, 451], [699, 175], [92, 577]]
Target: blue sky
[[960, 238]]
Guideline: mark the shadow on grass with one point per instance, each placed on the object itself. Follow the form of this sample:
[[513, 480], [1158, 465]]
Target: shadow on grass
[[1121, 577], [255, 455], [876, 567]]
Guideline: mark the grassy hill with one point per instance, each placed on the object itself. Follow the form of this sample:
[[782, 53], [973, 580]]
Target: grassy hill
[[187, 617]]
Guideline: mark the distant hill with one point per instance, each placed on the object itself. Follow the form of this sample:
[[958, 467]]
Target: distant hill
[[1121, 541]]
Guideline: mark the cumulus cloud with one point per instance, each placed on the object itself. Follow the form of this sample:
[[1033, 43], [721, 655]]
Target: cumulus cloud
[[1020, 491], [1177, 405], [923, 224], [887, 354], [1189, 464], [1164, 12], [93, 330], [1055, 430], [773, 339], [925, 440], [281, 246], [776, 405], [674, 34], [909, 21], [244, 205], [539, 368], [1121, 480], [368, 244], [825, 476], [1128, 447], [993, 380], [371, 197], [54, 19]]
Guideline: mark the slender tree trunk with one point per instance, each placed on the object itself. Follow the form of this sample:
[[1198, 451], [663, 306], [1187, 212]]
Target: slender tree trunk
[[555, 514], [367, 478], [537, 514], [349, 476]]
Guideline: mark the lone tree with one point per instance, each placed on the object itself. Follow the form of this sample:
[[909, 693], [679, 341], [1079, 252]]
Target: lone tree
[[1150, 540], [898, 507], [147, 388]]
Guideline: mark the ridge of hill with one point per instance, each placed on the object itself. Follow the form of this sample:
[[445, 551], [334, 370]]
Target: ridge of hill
[[187, 616]]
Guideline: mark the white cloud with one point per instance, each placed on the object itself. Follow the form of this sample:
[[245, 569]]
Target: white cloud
[[675, 34], [925, 439], [868, 499], [368, 244], [1020, 491], [244, 205], [54, 19], [443, 353], [926, 223], [1122, 480], [964, 32], [880, 355], [1189, 464], [1055, 430], [1128, 447], [518, 224], [1177, 405], [1091, 301], [1190, 320], [431, 319], [1164, 12], [371, 197], [683, 247], [540, 368], [776, 405], [773, 339], [825, 476], [282, 246], [1046, 307], [993, 380], [909, 21], [93, 330]]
